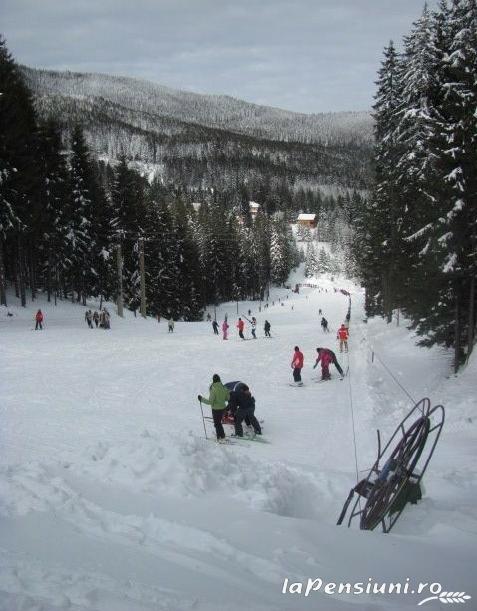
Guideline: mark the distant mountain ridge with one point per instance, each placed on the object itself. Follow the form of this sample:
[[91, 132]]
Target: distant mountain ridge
[[202, 141], [215, 111]]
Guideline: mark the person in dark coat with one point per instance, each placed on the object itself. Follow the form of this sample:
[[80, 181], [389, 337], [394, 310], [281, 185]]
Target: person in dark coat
[[266, 328], [242, 406], [215, 326]]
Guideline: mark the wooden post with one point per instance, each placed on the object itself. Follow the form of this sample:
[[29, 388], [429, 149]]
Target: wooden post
[[471, 323], [457, 332], [3, 283], [120, 280], [143, 277]]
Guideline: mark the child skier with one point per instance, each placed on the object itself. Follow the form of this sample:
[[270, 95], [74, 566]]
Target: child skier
[[39, 320], [297, 365], [225, 329]]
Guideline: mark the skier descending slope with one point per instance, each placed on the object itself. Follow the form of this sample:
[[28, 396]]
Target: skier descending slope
[[297, 365], [218, 395]]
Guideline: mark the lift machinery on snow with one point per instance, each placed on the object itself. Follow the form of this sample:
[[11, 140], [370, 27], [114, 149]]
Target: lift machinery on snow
[[394, 479]]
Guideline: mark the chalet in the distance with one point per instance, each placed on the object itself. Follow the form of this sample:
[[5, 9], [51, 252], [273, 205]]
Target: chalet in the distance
[[307, 220]]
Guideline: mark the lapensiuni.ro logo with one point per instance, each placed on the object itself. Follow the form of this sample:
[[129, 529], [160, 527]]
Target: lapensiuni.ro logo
[[370, 587]]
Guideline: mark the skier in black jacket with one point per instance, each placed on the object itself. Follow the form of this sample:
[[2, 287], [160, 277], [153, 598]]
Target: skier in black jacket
[[242, 405]]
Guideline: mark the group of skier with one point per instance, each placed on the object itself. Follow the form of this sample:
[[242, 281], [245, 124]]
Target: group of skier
[[101, 319], [232, 402], [241, 328], [325, 356]]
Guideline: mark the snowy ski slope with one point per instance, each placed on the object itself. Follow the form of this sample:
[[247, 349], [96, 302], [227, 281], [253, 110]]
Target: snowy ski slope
[[112, 500]]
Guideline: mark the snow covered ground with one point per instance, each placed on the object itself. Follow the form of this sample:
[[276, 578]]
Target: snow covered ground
[[111, 499]]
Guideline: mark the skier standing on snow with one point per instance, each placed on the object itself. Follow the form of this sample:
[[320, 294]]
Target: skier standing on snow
[[242, 406], [297, 365], [266, 328], [343, 335], [39, 320], [240, 326], [225, 329], [89, 318], [324, 325], [96, 318], [170, 325], [254, 326], [215, 326], [218, 395], [334, 360]]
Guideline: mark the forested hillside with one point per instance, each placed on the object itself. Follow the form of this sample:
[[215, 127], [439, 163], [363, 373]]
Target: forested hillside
[[416, 236], [198, 141]]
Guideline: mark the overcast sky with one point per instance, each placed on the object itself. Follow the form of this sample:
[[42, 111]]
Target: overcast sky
[[303, 55]]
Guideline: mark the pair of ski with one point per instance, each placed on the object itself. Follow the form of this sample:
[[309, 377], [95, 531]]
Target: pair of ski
[[232, 440]]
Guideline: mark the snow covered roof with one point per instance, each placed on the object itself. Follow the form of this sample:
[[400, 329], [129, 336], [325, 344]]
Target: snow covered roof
[[306, 217]]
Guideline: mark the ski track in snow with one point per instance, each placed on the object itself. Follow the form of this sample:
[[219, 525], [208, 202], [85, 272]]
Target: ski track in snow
[[110, 498]]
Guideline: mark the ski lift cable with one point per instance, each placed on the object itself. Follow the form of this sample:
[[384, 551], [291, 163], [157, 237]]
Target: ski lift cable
[[350, 391], [387, 369]]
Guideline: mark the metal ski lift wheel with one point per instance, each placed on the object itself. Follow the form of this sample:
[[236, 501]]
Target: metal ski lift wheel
[[387, 488]]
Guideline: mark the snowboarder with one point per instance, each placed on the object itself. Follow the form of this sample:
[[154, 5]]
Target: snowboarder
[[170, 325], [225, 329], [218, 395], [215, 326], [297, 365], [254, 326], [324, 325], [39, 320], [89, 318], [240, 326], [325, 357], [242, 406], [343, 335], [334, 360], [266, 328]]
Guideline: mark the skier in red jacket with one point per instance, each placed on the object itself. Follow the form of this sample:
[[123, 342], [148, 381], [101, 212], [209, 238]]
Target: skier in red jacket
[[240, 327], [297, 365], [343, 335], [325, 357], [39, 320]]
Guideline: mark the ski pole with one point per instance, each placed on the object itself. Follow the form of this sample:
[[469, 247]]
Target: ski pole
[[203, 419]]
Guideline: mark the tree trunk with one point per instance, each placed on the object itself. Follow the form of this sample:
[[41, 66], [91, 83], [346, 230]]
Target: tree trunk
[[3, 287], [32, 274], [21, 272], [471, 322], [457, 333]]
